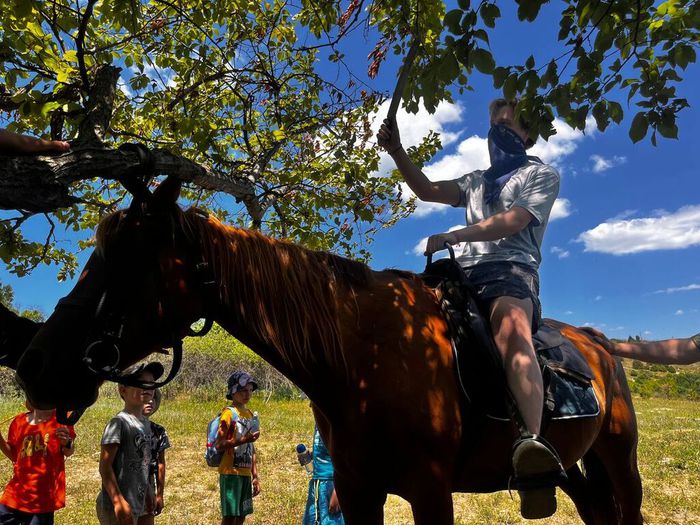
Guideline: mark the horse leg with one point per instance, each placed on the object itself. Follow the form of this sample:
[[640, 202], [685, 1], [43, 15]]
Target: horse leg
[[432, 502], [613, 475], [576, 488], [360, 502]]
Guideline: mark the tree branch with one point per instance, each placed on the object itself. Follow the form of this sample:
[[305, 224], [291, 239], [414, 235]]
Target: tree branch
[[80, 43], [42, 184]]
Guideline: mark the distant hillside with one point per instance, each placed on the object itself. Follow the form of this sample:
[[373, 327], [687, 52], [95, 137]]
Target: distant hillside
[[651, 380]]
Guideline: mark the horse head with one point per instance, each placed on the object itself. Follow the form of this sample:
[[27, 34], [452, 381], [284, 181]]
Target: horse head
[[134, 297]]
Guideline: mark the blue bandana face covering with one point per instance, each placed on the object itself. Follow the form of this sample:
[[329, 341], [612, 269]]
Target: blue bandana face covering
[[507, 153]]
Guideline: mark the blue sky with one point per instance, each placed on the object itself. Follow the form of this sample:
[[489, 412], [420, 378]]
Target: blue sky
[[623, 250]]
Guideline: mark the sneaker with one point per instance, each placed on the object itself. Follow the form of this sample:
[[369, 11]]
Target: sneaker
[[537, 471]]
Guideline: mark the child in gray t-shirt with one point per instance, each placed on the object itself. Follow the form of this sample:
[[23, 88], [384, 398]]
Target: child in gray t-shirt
[[126, 455]]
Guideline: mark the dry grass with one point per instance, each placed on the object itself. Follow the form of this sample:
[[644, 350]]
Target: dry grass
[[669, 462]]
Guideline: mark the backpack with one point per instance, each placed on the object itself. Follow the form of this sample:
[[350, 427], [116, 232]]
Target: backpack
[[212, 455]]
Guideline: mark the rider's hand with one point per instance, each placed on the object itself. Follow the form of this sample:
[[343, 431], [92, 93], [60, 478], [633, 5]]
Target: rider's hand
[[437, 242], [388, 135]]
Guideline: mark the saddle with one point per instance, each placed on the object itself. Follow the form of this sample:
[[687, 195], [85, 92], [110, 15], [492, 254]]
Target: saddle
[[566, 374]]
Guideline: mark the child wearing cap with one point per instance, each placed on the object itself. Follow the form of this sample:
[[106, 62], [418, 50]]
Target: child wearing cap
[[238, 471], [37, 445], [156, 472], [125, 456]]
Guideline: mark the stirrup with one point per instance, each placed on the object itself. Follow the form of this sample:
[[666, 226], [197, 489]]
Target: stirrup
[[537, 471]]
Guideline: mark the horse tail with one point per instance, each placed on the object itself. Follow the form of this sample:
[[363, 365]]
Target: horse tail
[[604, 507]]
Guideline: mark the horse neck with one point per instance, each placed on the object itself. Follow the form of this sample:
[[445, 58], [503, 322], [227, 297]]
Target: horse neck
[[281, 301]]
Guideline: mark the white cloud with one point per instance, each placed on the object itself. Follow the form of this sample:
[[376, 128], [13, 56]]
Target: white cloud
[[124, 88], [647, 332], [560, 210], [419, 249], [670, 231], [562, 144], [595, 325], [560, 252], [680, 289], [568, 312], [598, 297], [601, 164], [679, 312]]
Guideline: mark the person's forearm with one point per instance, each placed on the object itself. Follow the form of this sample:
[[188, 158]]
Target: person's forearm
[[414, 177], [254, 466], [670, 351], [109, 481], [160, 481], [496, 227], [6, 449]]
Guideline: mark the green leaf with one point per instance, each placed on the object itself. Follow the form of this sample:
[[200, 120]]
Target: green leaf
[[489, 14], [482, 60], [601, 114], [638, 129], [510, 87], [615, 111], [452, 21], [499, 76]]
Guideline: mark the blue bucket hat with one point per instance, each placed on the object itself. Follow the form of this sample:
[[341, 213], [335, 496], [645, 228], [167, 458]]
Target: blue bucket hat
[[238, 381]]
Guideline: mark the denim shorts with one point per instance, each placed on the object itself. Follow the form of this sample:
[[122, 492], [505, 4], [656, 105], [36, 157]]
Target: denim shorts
[[507, 279]]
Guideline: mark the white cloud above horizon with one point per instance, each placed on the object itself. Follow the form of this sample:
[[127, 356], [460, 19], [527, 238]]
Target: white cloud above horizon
[[601, 164], [560, 252], [560, 210], [667, 231], [686, 288]]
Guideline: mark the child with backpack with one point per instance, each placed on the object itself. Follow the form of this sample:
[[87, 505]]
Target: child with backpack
[[238, 470], [156, 471], [37, 445]]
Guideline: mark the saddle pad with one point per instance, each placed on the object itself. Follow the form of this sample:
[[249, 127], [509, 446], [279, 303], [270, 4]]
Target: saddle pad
[[567, 378]]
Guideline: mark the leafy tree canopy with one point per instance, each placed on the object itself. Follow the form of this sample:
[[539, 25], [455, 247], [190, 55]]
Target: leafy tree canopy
[[230, 96]]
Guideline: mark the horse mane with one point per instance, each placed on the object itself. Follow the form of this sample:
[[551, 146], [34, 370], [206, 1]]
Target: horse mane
[[284, 293]]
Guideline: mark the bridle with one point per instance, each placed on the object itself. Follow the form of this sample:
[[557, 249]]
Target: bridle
[[103, 355]]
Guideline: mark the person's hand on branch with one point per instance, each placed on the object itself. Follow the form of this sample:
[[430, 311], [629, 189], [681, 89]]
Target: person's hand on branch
[[388, 136]]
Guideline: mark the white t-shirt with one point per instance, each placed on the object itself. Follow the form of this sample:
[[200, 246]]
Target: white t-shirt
[[534, 187]]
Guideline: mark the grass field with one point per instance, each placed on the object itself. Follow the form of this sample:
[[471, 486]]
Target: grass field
[[669, 459]]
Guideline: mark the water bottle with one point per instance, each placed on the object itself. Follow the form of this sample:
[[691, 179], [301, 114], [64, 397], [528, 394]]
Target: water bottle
[[305, 458], [255, 423]]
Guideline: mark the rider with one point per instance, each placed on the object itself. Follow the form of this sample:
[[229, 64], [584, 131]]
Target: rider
[[507, 210]]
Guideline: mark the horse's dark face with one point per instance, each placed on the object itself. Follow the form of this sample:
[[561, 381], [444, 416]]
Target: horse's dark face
[[133, 298]]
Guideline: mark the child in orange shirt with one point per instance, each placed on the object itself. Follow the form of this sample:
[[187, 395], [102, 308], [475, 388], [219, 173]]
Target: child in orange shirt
[[37, 445]]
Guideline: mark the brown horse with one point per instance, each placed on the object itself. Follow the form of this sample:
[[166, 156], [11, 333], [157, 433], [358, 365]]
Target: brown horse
[[371, 349]]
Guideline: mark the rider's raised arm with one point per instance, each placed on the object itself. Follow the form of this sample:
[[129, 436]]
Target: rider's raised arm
[[444, 192]]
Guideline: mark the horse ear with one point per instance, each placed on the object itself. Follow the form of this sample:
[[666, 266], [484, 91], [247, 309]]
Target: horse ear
[[167, 191]]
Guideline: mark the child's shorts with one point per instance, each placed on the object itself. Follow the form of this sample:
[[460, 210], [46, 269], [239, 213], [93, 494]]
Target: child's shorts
[[9, 516], [236, 495]]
